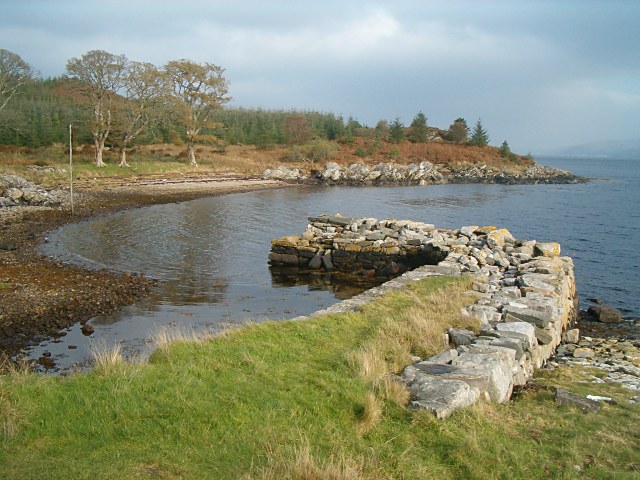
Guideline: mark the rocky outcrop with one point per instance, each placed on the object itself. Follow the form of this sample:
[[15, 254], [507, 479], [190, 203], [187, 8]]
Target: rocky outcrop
[[15, 191], [526, 298], [423, 173]]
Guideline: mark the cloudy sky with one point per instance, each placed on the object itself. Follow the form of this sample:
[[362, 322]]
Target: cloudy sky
[[540, 74]]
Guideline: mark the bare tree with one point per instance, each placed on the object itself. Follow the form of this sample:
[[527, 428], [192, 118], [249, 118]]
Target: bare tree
[[14, 72], [100, 75], [197, 90], [145, 89]]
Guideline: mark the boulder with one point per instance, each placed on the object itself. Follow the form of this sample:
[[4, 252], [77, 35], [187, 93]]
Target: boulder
[[499, 237], [568, 399], [548, 249], [605, 313], [571, 336], [460, 336]]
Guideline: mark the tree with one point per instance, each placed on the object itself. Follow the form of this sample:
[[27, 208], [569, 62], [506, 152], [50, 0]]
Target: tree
[[504, 150], [100, 75], [382, 130], [197, 90], [479, 136], [459, 131], [419, 132], [396, 131], [144, 91], [296, 129], [14, 73]]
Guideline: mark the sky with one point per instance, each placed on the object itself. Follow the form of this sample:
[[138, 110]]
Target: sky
[[539, 74]]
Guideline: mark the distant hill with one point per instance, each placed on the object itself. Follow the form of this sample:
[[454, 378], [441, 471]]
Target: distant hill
[[614, 148]]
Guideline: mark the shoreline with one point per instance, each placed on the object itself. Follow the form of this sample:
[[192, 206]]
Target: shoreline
[[105, 291], [40, 296]]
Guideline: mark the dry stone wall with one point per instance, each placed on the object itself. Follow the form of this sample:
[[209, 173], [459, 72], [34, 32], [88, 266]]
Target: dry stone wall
[[525, 290]]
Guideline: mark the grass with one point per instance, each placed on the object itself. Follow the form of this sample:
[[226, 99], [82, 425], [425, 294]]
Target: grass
[[303, 400]]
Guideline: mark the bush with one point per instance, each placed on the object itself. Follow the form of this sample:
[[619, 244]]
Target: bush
[[320, 150], [316, 151]]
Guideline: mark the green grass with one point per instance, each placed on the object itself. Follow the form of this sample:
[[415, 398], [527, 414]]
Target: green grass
[[293, 400]]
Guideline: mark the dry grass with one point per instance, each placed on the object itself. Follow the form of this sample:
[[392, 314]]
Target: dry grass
[[371, 413], [107, 359], [394, 391], [9, 417], [304, 466], [416, 330], [165, 336]]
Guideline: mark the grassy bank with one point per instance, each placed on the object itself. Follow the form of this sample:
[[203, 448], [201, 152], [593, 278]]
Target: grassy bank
[[307, 400]]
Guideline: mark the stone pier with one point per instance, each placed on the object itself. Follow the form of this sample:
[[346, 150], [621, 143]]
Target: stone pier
[[526, 297]]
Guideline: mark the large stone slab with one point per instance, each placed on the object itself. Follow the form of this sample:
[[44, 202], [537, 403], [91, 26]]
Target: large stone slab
[[516, 314], [440, 396], [475, 377], [499, 370]]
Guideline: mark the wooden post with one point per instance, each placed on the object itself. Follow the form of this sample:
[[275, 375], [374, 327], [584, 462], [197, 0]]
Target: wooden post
[[71, 166]]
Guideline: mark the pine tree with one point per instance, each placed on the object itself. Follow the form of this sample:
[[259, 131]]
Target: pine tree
[[505, 151], [479, 136], [396, 131], [419, 132]]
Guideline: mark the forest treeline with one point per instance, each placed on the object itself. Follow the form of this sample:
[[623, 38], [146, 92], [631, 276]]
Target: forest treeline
[[41, 114], [113, 101]]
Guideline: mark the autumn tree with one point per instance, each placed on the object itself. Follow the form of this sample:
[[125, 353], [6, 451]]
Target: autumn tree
[[197, 89], [396, 131], [479, 136], [99, 76], [14, 73], [296, 129], [419, 130], [144, 90], [382, 130], [459, 131]]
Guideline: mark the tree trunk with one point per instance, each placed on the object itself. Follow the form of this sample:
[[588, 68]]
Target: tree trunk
[[123, 158], [99, 149], [191, 154]]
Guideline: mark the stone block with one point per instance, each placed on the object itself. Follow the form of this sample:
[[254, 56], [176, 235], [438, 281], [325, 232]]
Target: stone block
[[500, 237], [460, 336], [548, 249], [497, 367], [444, 357], [283, 258], [519, 345], [327, 262], [438, 395], [544, 336], [515, 314], [316, 262], [474, 377]]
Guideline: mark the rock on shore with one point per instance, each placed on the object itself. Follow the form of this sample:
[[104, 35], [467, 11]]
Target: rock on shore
[[423, 173], [16, 191]]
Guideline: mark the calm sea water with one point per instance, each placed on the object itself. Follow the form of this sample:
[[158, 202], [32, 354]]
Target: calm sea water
[[210, 255]]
